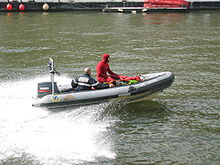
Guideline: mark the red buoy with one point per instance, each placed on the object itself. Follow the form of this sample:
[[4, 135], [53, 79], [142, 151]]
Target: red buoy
[[9, 7], [21, 7]]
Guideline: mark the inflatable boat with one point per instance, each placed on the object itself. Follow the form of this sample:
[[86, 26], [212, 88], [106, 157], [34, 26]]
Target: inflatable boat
[[51, 95]]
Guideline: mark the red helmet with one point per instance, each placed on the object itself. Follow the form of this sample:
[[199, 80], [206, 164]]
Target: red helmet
[[105, 56]]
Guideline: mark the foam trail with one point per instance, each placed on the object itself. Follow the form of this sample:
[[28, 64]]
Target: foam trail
[[65, 137]]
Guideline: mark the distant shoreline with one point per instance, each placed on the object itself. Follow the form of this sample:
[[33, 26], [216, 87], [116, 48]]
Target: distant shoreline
[[132, 6]]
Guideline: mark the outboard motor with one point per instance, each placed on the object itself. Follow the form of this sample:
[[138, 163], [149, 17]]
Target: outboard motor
[[45, 88]]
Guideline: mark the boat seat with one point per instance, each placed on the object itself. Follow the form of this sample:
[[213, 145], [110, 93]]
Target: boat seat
[[65, 88]]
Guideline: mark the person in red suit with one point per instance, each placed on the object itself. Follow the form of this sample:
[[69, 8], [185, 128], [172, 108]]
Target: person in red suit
[[103, 70]]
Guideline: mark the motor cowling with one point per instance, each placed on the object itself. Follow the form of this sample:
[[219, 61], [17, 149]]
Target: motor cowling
[[45, 88]]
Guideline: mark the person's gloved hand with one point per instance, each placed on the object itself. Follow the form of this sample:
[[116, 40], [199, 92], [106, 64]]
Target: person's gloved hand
[[111, 85]]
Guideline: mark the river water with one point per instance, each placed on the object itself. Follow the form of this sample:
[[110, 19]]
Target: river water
[[180, 126]]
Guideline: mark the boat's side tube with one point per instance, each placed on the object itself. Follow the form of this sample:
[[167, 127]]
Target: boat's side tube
[[154, 85]]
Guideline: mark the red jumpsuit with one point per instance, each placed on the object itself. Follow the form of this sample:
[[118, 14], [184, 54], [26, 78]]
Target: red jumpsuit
[[102, 69]]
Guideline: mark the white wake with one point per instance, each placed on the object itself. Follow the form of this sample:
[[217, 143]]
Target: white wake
[[65, 137]]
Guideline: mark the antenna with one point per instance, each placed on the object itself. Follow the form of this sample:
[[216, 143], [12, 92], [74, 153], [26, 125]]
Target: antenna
[[52, 72]]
